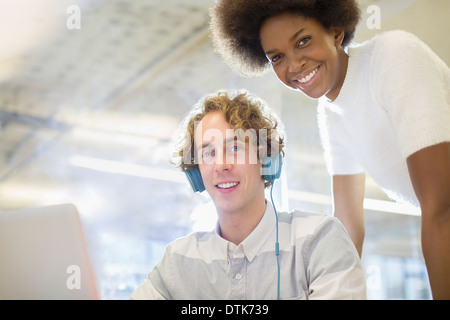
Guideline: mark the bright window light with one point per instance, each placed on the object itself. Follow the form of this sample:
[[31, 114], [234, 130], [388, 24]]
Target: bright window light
[[127, 169]]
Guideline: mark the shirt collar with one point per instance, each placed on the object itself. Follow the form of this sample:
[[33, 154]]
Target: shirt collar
[[256, 239], [260, 235]]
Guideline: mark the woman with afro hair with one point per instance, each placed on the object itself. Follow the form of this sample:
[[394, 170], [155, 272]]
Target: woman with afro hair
[[383, 106]]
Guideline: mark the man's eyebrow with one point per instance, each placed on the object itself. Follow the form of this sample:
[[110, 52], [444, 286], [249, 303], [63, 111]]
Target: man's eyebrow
[[226, 141], [299, 32], [205, 145]]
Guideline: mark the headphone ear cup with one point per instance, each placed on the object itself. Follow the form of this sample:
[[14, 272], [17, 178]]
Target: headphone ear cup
[[272, 169], [195, 179]]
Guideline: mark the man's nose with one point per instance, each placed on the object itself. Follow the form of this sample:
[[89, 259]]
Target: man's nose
[[223, 162]]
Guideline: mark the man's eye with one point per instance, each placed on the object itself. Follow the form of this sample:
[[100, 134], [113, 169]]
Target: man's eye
[[236, 148], [208, 154]]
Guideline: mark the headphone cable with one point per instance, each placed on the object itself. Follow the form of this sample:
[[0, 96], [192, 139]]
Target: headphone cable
[[277, 245]]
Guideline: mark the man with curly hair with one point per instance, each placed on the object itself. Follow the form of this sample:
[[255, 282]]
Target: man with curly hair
[[243, 257], [384, 106]]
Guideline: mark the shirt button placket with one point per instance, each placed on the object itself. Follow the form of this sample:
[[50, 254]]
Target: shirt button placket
[[237, 279]]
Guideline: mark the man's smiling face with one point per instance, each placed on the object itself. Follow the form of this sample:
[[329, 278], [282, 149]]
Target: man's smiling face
[[230, 171]]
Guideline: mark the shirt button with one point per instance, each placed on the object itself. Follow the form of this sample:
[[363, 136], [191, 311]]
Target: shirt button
[[238, 276]]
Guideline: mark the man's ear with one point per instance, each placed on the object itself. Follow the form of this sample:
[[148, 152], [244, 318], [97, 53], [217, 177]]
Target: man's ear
[[338, 35]]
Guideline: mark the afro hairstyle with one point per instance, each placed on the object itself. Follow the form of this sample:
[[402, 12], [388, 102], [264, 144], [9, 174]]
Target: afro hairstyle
[[235, 26]]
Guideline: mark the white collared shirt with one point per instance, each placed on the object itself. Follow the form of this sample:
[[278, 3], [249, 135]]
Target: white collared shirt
[[317, 261]]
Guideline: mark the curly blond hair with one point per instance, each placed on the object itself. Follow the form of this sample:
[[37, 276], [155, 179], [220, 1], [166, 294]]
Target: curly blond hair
[[244, 112], [235, 26]]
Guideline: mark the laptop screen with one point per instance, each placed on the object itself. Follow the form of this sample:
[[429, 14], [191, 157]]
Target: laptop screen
[[43, 255]]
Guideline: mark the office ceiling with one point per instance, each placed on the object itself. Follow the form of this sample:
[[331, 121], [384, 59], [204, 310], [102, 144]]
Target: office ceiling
[[87, 115]]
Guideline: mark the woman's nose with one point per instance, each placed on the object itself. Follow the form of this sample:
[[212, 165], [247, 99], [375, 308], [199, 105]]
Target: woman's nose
[[295, 64]]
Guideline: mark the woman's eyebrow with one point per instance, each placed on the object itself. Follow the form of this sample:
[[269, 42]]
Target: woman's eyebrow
[[299, 32], [268, 53]]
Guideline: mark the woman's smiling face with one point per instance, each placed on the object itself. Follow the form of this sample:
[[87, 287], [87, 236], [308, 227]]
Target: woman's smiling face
[[304, 55]]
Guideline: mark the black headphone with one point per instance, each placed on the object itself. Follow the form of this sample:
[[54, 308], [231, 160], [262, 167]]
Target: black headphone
[[271, 170]]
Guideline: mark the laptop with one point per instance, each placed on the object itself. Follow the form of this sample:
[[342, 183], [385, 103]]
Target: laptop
[[43, 255]]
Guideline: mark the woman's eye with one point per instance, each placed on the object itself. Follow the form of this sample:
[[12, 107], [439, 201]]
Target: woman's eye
[[303, 41], [274, 59]]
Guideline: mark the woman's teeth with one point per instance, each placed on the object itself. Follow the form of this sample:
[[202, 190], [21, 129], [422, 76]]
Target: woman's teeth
[[309, 76], [227, 185]]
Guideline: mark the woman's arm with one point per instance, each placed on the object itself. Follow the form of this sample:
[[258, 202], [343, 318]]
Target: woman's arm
[[429, 170], [348, 198]]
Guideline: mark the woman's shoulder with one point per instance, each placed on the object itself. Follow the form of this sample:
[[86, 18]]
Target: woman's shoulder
[[394, 49], [392, 40], [396, 36]]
